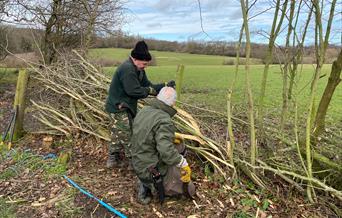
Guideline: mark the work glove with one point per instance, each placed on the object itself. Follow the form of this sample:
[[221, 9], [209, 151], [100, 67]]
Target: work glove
[[152, 91], [178, 140], [171, 83], [185, 170]]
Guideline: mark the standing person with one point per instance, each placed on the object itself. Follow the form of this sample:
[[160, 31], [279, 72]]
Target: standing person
[[129, 84], [157, 160]]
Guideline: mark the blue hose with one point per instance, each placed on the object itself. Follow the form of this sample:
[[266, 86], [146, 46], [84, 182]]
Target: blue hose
[[108, 207]]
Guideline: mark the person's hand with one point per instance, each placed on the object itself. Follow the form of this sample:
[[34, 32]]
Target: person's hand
[[178, 140], [186, 174], [185, 170], [152, 91], [171, 83]]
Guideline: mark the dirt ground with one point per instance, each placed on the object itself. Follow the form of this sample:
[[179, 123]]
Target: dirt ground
[[33, 193]]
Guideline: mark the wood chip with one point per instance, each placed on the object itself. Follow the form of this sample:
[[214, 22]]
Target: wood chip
[[157, 213], [220, 202], [256, 198], [232, 202], [196, 205]]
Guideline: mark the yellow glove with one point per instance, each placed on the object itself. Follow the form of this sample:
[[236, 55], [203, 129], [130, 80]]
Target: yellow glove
[[185, 170], [186, 174], [178, 140]]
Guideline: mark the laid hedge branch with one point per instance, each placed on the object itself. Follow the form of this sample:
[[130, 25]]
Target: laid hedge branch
[[71, 98]]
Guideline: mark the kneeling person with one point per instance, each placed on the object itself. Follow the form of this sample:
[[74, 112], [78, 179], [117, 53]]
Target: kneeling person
[[156, 159]]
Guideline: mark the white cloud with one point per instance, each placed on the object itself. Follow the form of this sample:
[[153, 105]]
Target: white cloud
[[180, 19]]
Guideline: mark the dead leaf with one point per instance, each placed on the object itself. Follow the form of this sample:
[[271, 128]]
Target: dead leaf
[[47, 141], [231, 202], [262, 214], [112, 193], [157, 213]]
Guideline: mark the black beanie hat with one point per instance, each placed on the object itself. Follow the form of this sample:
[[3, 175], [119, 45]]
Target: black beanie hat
[[140, 52]]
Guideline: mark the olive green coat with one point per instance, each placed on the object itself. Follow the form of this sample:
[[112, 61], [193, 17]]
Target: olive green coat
[[152, 140], [128, 86]]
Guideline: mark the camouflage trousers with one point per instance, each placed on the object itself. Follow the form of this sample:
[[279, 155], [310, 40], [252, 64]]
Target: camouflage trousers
[[120, 133]]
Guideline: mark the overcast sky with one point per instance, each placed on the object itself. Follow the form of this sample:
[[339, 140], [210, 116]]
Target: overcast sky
[[179, 20]]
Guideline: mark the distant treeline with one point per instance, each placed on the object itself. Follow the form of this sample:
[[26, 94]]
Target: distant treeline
[[21, 40], [209, 48]]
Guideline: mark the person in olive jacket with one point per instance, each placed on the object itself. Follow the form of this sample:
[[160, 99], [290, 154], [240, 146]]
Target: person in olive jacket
[[129, 84], [157, 160]]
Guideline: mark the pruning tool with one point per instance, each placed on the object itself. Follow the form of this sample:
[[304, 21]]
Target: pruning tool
[[9, 131]]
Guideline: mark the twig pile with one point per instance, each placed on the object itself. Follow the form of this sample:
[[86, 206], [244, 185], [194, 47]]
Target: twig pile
[[73, 98]]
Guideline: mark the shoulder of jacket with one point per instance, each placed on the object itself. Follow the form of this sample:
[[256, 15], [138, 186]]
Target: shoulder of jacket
[[125, 65], [156, 113]]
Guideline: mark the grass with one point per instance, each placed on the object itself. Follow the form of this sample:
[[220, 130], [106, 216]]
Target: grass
[[165, 58], [8, 75], [7, 210], [22, 160], [206, 81], [206, 86]]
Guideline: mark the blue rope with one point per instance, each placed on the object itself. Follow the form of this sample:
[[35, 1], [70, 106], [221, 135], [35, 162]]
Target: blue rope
[[108, 207], [50, 155]]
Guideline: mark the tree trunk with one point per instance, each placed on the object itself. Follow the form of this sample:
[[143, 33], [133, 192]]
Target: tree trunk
[[231, 143], [334, 80], [248, 84], [91, 23], [179, 81], [49, 50], [268, 60], [286, 68]]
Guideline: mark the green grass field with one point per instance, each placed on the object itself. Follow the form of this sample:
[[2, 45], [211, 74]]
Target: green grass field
[[206, 81], [165, 58], [206, 86]]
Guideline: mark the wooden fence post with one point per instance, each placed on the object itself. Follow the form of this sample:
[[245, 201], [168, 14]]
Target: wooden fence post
[[179, 81], [20, 101]]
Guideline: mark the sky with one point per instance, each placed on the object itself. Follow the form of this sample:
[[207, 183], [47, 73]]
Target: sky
[[179, 20]]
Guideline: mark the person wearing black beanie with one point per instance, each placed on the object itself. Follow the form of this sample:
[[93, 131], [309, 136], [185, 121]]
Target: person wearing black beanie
[[129, 84], [140, 52]]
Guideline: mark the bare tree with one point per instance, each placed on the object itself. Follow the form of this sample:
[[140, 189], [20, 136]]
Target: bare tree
[[100, 16], [268, 60], [244, 7], [334, 79], [298, 46], [285, 69], [3, 42], [3, 31], [321, 43], [67, 23]]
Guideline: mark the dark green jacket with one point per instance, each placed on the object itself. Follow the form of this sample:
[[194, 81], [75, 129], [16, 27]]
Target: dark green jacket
[[127, 86], [152, 140]]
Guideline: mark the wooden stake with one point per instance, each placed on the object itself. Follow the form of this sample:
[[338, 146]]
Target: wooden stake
[[20, 101], [179, 81]]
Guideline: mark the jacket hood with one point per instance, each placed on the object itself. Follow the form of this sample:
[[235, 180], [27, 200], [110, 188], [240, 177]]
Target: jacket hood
[[164, 107]]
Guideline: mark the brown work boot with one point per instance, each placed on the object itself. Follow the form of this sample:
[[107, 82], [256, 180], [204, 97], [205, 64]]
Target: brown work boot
[[114, 160]]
